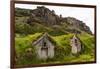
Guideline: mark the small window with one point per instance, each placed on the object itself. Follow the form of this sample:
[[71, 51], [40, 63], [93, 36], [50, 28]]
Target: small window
[[76, 43], [75, 40], [44, 44]]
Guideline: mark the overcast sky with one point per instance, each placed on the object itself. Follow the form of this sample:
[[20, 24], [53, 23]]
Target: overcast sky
[[84, 14]]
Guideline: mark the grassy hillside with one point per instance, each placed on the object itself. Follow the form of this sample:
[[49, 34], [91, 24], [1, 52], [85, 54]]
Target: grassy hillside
[[62, 52], [53, 21]]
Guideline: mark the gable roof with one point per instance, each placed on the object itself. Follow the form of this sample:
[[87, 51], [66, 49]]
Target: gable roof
[[75, 36], [44, 35]]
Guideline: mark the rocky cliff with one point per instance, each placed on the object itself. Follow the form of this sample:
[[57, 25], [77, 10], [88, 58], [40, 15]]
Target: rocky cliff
[[48, 18], [43, 15]]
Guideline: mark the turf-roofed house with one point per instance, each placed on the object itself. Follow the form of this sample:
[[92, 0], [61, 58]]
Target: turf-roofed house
[[76, 45], [44, 46]]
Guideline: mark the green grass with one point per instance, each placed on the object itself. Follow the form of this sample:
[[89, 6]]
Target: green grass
[[62, 52], [88, 42]]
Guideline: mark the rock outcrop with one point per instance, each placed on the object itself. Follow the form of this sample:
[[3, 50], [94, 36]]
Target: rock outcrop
[[44, 15], [48, 18]]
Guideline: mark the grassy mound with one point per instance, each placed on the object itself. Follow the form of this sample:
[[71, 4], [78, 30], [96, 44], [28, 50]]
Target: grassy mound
[[62, 51]]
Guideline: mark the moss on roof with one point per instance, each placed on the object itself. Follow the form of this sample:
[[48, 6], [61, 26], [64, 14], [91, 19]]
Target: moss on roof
[[44, 35]]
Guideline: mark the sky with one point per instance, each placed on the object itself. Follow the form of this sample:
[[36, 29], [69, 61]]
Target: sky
[[83, 14]]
